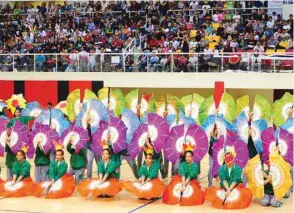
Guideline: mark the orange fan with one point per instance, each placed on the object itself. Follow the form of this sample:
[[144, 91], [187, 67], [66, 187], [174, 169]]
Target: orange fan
[[86, 187], [110, 188], [62, 188], [192, 196], [149, 190], [239, 198], [20, 189]]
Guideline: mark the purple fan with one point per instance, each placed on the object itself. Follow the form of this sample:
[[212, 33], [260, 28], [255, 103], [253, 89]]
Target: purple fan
[[195, 137], [77, 135], [19, 136], [174, 144], [3, 122], [117, 130], [158, 131], [234, 143], [45, 135], [138, 141], [283, 139]]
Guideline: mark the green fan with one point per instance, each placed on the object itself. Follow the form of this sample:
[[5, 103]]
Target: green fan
[[192, 105], [282, 109], [243, 105], [261, 109], [147, 103], [113, 99], [227, 107], [132, 100], [175, 103]]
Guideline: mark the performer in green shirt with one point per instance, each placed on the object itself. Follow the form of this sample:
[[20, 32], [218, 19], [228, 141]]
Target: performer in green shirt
[[10, 156], [58, 167], [20, 168], [77, 163], [42, 162], [107, 167]]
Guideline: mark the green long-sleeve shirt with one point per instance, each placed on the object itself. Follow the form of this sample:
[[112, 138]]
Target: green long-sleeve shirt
[[22, 119], [10, 157], [57, 170], [108, 169], [233, 176], [41, 159], [21, 169], [187, 170], [151, 172], [77, 160]]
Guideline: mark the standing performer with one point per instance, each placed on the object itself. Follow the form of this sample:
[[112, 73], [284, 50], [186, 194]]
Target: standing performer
[[10, 156], [213, 139], [77, 162], [184, 188], [42, 162]]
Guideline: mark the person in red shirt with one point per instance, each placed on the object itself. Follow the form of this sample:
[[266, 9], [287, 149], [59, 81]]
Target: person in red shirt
[[116, 43], [153, 42]]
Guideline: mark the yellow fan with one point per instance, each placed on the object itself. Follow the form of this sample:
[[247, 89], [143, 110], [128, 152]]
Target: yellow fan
[[16, 101], [113, 99], [74, 104], [279, 170]]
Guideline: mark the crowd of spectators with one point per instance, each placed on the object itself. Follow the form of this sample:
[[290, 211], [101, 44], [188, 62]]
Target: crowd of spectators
[[84, 31]]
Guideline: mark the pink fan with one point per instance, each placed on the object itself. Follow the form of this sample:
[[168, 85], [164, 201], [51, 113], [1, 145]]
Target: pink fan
[[45, 135], [235, 145], [77, 135], [117, 130]]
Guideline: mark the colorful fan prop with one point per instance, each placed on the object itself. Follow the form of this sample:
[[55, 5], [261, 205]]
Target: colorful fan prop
[[74, 104], [223, 126], [113, 99], [227, 108], [233, 144], [63, 187], [289, 125], [92, 113], [77, 136], [62, 106], [283, 142], [19, 136], [116, 130], [158, 131], [32, 109], [132, 100], [192, 105], [172, 106], [20, 189], [54, 118], [3, 122], [261, 108], [43, 136], [279, 170], [283, 109], [16, 101], [2, 105], [184, 119], [242, 128], [131, 121], [194, 136]]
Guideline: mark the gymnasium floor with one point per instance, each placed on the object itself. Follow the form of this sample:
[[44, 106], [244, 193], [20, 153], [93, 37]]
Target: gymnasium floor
[[124, 202]]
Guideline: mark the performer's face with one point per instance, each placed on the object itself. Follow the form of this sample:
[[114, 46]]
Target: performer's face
[[59, 156], [148, 159], [189, 157], [19, 156], [105, 155], [17, 113]]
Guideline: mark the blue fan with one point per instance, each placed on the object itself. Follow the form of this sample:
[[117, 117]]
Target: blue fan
[[222, 125], [289, 125], [2, 105], [242, 127], [186, 119], [171, 120], [32, 109], [58, 122], [143, 119], [81, 115], [131, 121]]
